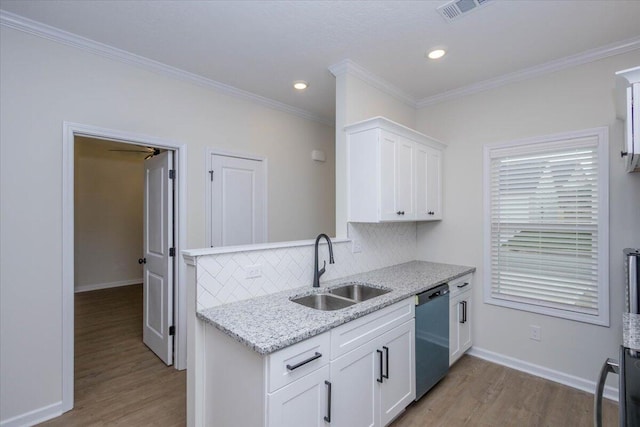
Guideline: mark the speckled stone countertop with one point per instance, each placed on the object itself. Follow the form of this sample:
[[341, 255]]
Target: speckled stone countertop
[[271, 322]]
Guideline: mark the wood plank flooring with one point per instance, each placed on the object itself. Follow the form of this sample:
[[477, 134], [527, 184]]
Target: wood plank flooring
[[118, 380], [480, 393]]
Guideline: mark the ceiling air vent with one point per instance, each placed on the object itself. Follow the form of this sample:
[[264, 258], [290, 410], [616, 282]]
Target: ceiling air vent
[[456, 8]]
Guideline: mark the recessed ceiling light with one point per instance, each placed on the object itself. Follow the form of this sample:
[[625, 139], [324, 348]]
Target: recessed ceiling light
[[436, 54], [300, 85]]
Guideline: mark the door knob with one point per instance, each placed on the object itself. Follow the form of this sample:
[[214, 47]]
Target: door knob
[[142, 260]]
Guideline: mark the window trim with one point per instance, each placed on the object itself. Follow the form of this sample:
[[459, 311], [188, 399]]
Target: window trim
[[602, 318]]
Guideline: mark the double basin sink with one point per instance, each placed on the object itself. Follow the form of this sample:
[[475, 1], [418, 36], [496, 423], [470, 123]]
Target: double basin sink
[[340, 297]]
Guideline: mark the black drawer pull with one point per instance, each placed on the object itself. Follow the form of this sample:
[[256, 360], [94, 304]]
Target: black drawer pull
[[386, 349], [463, 286], [304, 362], [327, 417]]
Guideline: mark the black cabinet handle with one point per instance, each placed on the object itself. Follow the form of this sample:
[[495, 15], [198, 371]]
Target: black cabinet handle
[[461, 312], [304, 362], [142, 260], [400, 213], [462, 286], [381, 376], [464, 311], [327, 418], [386, 349], [623, 153]]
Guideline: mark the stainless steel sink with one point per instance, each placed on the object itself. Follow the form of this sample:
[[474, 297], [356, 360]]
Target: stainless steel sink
[[324, 302], [358, 291]]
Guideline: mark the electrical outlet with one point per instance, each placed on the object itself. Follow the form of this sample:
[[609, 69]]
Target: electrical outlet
[[356, 246], [253, 271], [534, 333]]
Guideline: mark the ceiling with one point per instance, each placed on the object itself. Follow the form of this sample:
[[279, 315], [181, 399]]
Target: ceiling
[[263, 46]]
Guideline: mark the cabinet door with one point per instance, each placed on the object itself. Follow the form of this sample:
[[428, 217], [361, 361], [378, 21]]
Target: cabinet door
[[428, 183], [459, 326], [455, 317], [434, 184], [398, 387], [353, 379], [465, 328], [396, 178], [301, 403], [405, 190]]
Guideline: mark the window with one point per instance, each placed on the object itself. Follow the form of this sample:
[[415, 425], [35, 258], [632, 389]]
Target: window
[[546, 225]]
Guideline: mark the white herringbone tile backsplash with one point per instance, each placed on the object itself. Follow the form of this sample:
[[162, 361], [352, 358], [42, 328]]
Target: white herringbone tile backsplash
[[222, 278]]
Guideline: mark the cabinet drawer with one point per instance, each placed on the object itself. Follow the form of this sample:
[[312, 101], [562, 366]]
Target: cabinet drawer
[[459, 285], [298, 360], [357, 332]]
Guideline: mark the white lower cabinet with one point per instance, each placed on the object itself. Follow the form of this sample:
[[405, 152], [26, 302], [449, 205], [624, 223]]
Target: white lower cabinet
[[361, 373], [353, 379], [398, 386], [301, 403], [460, 317]]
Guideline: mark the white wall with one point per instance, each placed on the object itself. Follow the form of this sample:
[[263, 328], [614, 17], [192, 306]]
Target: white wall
[[357, 100], [572, 99], [108, 196], [42, 84]]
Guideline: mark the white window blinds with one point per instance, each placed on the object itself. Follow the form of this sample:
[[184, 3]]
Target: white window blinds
[[545, 213]]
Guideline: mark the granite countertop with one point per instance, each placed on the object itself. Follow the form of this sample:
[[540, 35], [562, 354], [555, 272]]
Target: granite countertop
[[271, 322]]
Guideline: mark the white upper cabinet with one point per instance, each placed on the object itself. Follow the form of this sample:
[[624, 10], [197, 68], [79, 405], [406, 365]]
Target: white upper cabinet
[[628, 106], [393, 173]]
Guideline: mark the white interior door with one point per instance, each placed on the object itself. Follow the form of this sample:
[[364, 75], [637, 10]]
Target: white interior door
[[238, 201], [158, 266]]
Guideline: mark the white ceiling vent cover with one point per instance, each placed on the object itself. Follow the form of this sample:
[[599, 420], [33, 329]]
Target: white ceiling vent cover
[[456, 8]]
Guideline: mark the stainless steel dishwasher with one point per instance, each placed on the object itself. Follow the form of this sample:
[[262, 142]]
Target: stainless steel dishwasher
[[432, 338]]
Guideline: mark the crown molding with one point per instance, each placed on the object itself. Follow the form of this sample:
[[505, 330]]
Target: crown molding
[[347, 66], [39, 29], [538, 70]]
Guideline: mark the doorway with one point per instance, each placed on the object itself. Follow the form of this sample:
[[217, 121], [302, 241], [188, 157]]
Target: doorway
[[169, 231]]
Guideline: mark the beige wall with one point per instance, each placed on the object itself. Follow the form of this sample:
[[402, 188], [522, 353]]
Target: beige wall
[[108, 195], [357, 100], [572, 99], [42, 84]]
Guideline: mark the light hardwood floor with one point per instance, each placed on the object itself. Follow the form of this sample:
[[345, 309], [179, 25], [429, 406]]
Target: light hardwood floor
[[118, 381], [480, 393]]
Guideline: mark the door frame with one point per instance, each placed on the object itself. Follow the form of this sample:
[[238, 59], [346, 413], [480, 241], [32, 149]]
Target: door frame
[[69, 131], [207, 197]]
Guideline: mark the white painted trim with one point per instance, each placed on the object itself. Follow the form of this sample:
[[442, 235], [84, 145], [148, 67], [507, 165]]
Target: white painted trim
[[194, 253], [603, 317], [39, 29], [207, 197], [585, 57], [347, 66], [589, 386], [108, 285], [70, 131], [386, 124], [34, 417]]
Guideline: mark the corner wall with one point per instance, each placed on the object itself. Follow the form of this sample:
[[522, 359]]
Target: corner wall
[[572, 99]]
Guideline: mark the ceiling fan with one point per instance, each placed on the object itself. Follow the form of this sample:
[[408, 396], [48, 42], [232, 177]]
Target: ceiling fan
[[150, 152]]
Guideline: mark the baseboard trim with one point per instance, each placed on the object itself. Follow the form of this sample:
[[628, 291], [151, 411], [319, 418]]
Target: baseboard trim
[[96, 286], [588, 386], [34, 417]]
